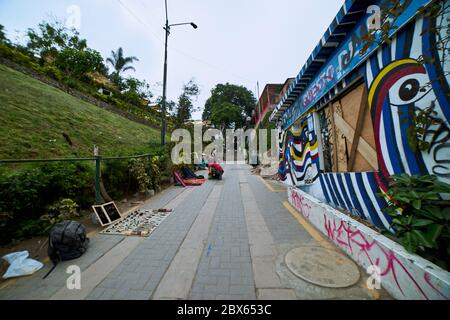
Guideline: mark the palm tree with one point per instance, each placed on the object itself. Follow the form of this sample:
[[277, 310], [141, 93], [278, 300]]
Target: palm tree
[[120, 63]]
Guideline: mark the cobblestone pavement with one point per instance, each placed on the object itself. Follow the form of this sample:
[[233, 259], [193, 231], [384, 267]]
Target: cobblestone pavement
[[224, 240]]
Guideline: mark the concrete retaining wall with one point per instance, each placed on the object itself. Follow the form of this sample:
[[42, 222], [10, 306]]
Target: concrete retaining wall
[[403, 275]]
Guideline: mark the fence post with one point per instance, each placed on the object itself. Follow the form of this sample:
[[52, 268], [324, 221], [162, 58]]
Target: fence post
[[98, 197]]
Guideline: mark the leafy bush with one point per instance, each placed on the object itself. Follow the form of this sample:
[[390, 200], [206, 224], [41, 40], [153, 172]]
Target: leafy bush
[[20, 193], [111, 100], [156, 169], [73, 83], [117, 179], [5, 51], [135, 92], [123, 178], [53, 72], [71, 180], [133, 97], [26, 195], [421, 216], [77, 62], [52, 37], [138, 170], [18, 57], [64, 209], [25, 229], [164, 164]]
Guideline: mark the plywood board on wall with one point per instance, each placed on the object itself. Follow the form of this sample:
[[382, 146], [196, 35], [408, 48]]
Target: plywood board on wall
[[363, 148], [341, 145], [351, 104], [354, 123]]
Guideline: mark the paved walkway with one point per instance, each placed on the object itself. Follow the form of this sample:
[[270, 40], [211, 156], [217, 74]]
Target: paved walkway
[[225, 240]]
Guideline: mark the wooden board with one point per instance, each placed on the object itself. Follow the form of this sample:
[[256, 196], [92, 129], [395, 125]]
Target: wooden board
[[107, 213], [354, 124], [112, 211], [102, 217], [361, 112], [364, 148]]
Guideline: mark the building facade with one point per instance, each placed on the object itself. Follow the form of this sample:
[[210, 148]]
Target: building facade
[[346, 123], [267, 102]]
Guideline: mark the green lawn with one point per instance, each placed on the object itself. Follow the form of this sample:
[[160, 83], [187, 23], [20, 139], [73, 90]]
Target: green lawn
[[34, 116]]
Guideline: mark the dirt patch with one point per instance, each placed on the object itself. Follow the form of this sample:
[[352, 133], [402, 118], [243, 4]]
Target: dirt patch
[[260, 171]]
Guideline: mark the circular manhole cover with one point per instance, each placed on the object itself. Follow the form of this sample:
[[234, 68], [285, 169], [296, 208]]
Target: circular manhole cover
[[322, 267]]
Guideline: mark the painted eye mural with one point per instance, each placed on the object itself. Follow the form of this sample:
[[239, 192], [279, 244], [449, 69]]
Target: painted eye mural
[[392, 98], [401, 89], [408, 90]]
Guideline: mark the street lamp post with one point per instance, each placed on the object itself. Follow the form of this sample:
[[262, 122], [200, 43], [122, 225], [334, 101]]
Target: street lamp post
[[167, 28]]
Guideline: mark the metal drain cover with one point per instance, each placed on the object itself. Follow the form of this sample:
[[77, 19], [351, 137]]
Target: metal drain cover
[[322, 267]]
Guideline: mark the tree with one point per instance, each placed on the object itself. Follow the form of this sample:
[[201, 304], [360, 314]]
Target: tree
[[2, 34], [185, 106], [77, 62], [136, 92], [226, 115], [120, 64], [51, 38], [233, 94]]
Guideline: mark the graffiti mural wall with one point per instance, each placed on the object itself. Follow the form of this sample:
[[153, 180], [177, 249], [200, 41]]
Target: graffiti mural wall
[[400, 84], [299, 153]]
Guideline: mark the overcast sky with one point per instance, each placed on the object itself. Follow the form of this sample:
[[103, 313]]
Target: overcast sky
[[238, 41]]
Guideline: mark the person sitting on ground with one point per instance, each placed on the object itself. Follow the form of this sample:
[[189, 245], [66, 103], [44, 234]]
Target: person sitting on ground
[[204, 164], [215, 171], [189, 174]]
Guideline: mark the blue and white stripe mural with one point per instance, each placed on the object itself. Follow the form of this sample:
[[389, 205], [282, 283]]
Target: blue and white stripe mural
[[357, 193]]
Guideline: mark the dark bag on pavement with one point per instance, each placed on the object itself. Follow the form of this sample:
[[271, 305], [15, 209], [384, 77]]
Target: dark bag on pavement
[[216, 174], [67, 241]]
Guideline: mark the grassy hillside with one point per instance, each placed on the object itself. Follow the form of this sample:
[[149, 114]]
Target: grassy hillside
[[34, 117]]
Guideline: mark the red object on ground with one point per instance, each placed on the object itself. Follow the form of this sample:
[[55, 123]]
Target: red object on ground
[[194, 182], [179, 179], [215, 166]]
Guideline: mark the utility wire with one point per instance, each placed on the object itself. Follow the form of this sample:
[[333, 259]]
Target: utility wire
[[210, 65], [140, 21]]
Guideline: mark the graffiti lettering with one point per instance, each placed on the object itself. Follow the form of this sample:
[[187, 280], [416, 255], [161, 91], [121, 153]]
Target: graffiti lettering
[[349, 52], [320, 85], [301, 204], [437, 133], [358, 244]]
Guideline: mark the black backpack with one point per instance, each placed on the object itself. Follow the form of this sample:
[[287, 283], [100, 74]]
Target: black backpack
[[67, 241]]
